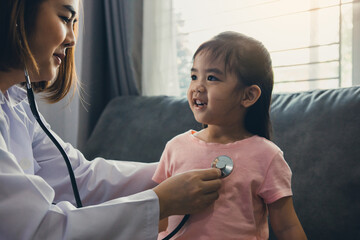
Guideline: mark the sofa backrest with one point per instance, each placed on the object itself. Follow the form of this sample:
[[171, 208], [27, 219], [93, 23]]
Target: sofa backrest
[[137, 128], [318, 131]]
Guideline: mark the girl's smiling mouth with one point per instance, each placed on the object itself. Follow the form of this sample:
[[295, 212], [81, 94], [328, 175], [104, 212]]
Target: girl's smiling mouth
[[199, 103]]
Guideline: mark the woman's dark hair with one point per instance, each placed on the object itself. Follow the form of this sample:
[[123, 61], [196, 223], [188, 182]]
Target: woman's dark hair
[[18, 19], [250, 61]]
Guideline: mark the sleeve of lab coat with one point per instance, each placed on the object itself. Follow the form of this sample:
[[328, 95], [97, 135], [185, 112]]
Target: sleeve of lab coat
[[98, 180], [114, 206]]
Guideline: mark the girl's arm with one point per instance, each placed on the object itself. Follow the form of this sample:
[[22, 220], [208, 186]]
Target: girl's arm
[[284, 220]]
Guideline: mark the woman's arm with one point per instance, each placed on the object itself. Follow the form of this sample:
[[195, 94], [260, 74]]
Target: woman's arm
[[284, 220], [163, 224], [110, 179]]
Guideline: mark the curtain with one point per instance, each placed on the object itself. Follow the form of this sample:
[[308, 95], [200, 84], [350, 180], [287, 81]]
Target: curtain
[[123, 20], [112, 55], [159, 66]]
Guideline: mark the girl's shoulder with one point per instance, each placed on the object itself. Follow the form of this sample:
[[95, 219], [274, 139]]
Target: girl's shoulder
[[264, 144], [182, 137]]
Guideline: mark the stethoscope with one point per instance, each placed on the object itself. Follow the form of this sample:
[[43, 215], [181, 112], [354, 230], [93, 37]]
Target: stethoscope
[[224, 163], [31, 99]]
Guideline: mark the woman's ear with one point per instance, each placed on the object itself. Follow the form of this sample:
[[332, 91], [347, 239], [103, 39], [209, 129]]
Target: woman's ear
[[251, 95]]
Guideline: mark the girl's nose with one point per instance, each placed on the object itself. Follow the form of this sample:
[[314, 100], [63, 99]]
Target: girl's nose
[[199, 88]]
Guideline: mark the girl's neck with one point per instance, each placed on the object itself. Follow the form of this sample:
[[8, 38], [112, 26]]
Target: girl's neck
[[216, 134]]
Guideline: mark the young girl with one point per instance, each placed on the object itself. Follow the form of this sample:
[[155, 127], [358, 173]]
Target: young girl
[[230, 93]]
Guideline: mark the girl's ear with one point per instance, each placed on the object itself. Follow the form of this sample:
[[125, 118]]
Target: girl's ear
[[251, 95]]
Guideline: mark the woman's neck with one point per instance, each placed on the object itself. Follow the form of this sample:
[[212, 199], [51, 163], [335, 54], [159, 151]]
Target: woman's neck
[[10, 78]]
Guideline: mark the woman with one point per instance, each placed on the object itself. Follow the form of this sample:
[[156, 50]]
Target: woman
[[36, 199]]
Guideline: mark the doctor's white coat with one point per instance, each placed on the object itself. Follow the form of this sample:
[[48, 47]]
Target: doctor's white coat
[[36, 197]]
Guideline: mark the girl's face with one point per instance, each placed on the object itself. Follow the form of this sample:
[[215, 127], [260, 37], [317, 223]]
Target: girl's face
[[213, 95], [54, 33]]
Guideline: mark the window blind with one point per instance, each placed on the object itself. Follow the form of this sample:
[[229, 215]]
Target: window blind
[[310, 41]]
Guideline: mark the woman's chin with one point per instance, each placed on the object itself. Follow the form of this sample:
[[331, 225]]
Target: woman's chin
[[48, 77]]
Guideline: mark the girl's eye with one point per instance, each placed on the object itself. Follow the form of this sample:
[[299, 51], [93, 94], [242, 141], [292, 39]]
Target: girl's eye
[[212, 78], [193, 77]]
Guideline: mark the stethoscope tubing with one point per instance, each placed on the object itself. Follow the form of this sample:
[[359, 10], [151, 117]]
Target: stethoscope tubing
[[31, 99], [181, 224]]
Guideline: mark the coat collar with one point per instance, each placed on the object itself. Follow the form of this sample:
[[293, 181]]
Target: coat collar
[[15, 95]]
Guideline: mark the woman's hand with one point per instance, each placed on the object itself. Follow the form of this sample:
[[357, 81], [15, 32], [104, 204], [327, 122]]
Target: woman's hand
[[188, 192]]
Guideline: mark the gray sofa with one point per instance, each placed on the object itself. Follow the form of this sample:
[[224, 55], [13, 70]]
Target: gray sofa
[[319, 132]]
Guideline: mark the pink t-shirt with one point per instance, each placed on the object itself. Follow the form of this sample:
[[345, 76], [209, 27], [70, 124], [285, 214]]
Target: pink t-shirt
[[260, 176]]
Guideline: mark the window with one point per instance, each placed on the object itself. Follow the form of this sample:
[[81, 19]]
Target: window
[[310, 41]]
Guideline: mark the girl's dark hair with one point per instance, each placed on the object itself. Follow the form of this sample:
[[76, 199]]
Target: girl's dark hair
[[18, 19], [250, 61]]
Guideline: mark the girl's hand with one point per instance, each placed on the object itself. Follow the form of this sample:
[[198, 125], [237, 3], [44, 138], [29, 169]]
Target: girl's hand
[[188, 192], [284, 220]]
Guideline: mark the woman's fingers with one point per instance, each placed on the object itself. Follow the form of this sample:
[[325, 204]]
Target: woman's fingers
[[211, 186], [188, 192], [210, 174]]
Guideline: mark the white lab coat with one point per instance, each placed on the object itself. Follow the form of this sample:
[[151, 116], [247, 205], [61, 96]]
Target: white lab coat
[[36, 197]]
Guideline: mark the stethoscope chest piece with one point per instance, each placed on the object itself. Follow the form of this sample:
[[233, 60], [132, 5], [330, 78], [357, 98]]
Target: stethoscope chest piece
[[224, 163]]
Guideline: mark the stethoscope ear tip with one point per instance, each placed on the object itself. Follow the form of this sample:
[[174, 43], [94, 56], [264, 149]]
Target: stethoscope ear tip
[[27, 79]]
